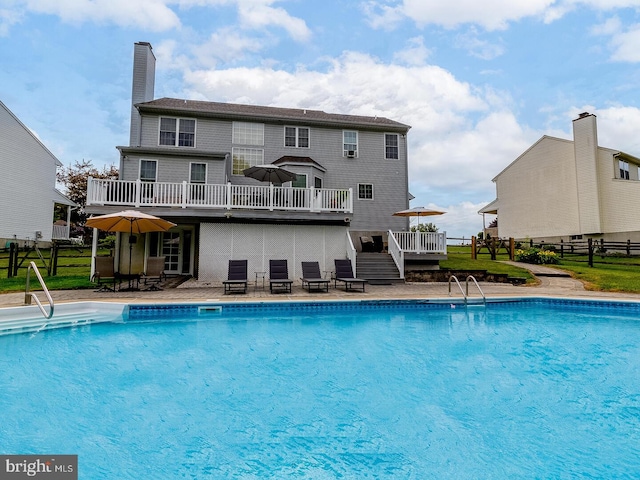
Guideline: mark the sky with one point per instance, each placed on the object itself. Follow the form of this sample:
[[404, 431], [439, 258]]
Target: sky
[[479, 82]]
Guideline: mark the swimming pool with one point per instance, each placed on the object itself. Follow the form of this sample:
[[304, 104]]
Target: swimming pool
[[533, 389]]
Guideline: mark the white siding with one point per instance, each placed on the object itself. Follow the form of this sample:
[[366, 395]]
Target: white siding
[[259, 243], [586, 148], [27, 182]]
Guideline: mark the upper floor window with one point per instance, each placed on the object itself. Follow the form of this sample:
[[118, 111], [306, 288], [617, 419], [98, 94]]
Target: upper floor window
[[624, 169], [391, 146], [246, 157], [245, 133], [177, 132], [349, 143], [198, 173], [148, 170], [296, 137], [365, 191]]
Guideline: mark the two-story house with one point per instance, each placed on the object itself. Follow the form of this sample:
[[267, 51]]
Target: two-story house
[[28, 186], [569, 190], [185, 162]]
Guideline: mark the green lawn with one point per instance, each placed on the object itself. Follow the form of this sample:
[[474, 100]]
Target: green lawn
[[619, 274]]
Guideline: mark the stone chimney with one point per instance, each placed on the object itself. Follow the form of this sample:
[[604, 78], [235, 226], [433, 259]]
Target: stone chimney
[[585, 146], [144, 78]]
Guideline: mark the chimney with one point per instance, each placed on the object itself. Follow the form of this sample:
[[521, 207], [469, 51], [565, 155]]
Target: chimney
[[144, 74], [585, 147]]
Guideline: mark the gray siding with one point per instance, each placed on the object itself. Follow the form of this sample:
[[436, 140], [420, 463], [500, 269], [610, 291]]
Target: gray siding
[[388, 177]]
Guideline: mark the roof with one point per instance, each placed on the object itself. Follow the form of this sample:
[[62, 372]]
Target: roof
[[293, 160], [58, 197], [28, 130], [490, 208], [275, 114]]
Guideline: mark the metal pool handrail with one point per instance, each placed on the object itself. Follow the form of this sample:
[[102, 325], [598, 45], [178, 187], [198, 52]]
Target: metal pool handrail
[[28, 295], [479, 289], [453, 277]]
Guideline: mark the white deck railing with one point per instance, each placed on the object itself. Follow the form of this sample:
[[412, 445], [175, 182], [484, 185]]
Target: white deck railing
[[421, 242], [60, 232], [227, 196]]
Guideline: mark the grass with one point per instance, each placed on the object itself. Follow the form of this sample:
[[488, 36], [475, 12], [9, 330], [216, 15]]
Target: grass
[[618, 274]]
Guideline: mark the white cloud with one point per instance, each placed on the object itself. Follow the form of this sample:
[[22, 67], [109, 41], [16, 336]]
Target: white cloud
[[152, 15], [259, 14], [8, 18], [415, 53], [477, 47], [489, 14]]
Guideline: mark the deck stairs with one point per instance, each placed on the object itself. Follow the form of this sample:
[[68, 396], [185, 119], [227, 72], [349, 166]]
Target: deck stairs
[[377, 268]]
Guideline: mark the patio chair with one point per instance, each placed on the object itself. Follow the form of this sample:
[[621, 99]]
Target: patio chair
[[279, 280], [154, 273], [378, 243], [237, 277], [344, 274], [104, 274], [312, 279], [367, 244]]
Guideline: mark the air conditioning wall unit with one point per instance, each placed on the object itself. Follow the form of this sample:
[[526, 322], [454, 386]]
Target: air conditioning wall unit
[[351, 153]]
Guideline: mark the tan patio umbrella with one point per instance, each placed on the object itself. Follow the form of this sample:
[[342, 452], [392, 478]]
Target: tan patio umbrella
[[130, 221], [418, 212]]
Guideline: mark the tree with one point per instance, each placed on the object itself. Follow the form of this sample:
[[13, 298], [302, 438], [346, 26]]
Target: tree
[[425, 227], [75, 180]]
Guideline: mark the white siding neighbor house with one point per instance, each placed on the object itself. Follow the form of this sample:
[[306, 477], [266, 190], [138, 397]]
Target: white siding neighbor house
[[27, 184], [567, 190], [185, 162]]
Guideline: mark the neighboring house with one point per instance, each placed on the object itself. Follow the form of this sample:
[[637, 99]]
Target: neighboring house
[[27, 184], [185, 163], [569, 190]]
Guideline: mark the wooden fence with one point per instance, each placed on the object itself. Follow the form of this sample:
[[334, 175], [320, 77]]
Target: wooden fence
[[14, 260]]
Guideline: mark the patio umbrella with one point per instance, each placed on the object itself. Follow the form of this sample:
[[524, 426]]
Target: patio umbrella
[[418, 212], [130, 221], [270, 173]]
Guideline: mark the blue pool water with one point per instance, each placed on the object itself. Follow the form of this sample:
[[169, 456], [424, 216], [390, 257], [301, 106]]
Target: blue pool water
[[539, 389]]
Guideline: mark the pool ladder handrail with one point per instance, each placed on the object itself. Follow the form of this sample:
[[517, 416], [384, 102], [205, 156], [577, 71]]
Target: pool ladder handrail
[[465, 292], [28, 294]]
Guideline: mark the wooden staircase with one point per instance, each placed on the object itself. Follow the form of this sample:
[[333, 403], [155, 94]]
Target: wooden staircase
[[377, 269]]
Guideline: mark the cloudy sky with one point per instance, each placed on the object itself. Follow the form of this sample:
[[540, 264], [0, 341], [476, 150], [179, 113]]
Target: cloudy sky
[[478, 81]]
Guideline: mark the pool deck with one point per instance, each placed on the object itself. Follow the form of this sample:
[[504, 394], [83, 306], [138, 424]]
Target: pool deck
[[551, 282]]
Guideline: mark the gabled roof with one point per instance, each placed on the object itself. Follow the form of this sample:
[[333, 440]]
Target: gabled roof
[[176, 106], [58, 197], [36, 139], [293, 160]]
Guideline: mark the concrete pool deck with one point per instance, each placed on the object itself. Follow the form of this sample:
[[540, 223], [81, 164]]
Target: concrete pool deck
[[551, 282]]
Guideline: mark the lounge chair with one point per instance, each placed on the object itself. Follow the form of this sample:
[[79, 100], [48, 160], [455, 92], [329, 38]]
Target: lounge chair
[[279, 276], [154, 273], [105, 274], [344, 274], [312, 279], [237, 277]]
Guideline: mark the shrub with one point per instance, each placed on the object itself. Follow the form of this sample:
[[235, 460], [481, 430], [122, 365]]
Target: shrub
[[536, 256]]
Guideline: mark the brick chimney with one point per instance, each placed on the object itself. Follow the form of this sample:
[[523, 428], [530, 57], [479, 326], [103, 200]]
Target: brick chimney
[[144, 75]]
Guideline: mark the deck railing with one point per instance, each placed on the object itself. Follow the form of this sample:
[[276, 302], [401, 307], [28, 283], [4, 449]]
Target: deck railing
[[226, 196], [421, 242]]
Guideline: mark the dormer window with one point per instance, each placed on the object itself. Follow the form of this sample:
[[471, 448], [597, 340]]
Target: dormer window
[[177, 132]]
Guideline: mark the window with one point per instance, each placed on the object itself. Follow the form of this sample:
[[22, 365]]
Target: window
[[177, 132], [624, 169], [245, 133], [349, 144], [365, 191], [300, 181], [148, 175], [317, 182], [391, 150], [148, 170], [296, 137], [198, 173], [245, 158]]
